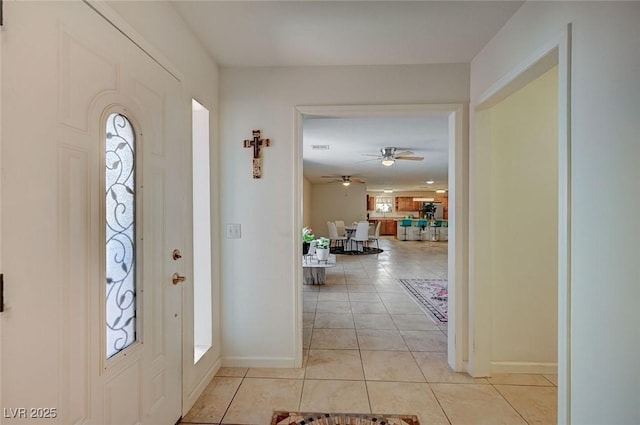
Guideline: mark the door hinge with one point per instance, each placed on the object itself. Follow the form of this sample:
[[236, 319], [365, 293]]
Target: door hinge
[[1, 20], [1, 292]]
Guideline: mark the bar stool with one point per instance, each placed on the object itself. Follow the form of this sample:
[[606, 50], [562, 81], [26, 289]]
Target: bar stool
[[422, 224], [404, 224]]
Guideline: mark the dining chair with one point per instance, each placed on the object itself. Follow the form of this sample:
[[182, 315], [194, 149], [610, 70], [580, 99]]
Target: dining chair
[[333, 234], [362, 233], [340, 228], [376, 235]]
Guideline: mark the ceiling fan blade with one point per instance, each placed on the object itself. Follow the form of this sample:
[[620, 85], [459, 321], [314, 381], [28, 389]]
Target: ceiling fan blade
[[371, 154], [367, 160], [357, 181], [330, 177], [410, 158], [405, 153]]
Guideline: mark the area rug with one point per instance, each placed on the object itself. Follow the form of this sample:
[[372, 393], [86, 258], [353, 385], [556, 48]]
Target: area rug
[[287, 418], [365, 251], [431, 294]]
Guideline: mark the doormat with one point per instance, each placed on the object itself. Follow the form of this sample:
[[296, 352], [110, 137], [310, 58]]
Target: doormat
[[431, 294], [289, 418]]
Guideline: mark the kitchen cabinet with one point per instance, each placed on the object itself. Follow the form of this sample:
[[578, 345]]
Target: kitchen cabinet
[[406, 203], [371, 203], [387, 227]]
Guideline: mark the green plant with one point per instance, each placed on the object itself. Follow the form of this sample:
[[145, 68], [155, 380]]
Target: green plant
[[322, 243], [307, 235]]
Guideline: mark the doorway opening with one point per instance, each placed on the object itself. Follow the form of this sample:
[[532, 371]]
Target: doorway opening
[[456, 267]]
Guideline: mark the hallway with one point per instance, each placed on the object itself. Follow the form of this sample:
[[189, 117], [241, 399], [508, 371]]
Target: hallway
[[369, 348]]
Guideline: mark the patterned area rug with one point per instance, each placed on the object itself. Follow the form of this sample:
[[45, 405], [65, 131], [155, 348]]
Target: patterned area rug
[[431, 294], [287, 418], [367, 250]]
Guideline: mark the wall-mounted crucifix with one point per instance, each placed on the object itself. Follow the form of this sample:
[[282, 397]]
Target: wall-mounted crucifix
[[256, 144]]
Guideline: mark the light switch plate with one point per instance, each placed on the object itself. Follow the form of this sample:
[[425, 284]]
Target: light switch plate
[[233, 231]]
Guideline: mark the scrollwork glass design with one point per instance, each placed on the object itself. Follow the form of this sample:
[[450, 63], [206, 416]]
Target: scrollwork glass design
[[120, 212]]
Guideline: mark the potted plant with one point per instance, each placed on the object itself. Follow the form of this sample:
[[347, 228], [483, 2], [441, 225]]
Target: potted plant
[[322, 249], [307, 237]]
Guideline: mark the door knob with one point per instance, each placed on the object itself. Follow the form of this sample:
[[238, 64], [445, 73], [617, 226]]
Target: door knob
[[176, 278]]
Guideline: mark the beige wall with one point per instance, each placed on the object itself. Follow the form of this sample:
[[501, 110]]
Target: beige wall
[[599, 340], [258, 300], [306, 202], [524, 225], [333, 202]]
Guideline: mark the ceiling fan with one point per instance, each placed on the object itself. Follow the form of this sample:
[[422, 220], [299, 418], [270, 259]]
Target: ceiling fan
[[345, 180], [389, 155]]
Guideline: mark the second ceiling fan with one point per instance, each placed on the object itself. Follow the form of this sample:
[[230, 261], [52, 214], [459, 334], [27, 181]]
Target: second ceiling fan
[[345, 180]]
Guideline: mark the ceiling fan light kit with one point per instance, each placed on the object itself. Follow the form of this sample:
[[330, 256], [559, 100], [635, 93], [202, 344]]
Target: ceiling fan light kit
[[388, 162]]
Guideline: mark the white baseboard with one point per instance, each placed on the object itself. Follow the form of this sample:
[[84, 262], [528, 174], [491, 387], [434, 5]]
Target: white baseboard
[[280, 362], [524, 367]]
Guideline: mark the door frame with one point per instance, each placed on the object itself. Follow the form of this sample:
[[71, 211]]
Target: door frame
[[458, 212], [556, 51]]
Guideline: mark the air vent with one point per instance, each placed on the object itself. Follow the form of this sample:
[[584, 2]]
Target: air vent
[[320, 147]]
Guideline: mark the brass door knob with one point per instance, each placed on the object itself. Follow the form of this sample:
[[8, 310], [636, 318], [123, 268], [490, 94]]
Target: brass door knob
[[176, 278]]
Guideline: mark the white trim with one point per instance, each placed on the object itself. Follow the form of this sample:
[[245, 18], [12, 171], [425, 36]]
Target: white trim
[[458, 247], [555, 51], [525, 367], [275, 362], [564, 227]]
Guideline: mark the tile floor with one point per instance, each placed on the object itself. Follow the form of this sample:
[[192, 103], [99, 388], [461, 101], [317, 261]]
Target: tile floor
[[368, 348]]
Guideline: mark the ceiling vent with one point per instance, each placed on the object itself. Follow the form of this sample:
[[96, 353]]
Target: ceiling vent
[[320, 147]]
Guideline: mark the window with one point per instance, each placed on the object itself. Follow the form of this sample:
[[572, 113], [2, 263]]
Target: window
[[383, 204], [202, 310], [120, 213]]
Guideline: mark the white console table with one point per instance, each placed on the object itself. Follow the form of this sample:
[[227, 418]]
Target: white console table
[[314, 270]]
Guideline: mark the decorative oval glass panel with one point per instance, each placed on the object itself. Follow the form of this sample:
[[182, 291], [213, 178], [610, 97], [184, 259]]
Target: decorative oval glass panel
[[120, 213]]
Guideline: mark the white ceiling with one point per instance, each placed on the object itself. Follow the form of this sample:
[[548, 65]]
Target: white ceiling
[[349, 139], [324, 33], [318, 33]]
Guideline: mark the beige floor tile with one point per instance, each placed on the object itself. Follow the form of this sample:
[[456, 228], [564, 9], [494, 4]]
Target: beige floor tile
[[333, 296], [360, 287], [368, 297], [406, 398], [334, 321], [306, 337], [232, 371], [332, 307], [334, 364], [374, 321], [537, 405], [476, 404], [272, 372], [309, 306], [257, 398], [334, 339], [402, 307], [552, 378], [334, 396], [374, 339], [214, 400], [368, 307], [425, 340], [435, 368], [308, 319], [391, 366], [519, 379], [414, 322]]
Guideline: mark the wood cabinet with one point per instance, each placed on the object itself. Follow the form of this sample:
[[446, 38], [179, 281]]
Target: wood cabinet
[[387, 227], [371, 203], [406, 203]]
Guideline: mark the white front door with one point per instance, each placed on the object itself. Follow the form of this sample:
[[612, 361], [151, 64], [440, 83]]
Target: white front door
[[65, 72]]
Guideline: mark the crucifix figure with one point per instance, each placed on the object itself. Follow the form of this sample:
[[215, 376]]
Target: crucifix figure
[[256, 144]]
